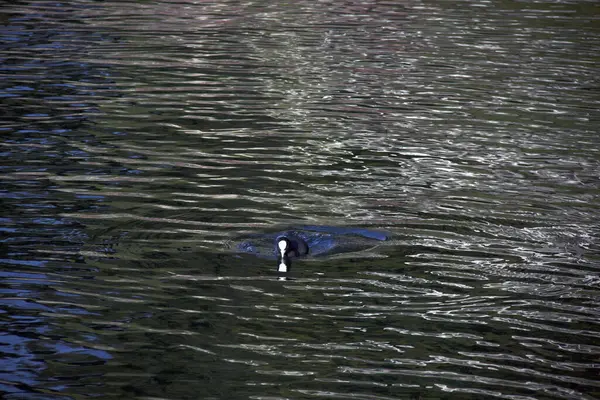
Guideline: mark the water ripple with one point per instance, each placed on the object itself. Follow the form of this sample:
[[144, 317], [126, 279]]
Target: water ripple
[[142, 139]]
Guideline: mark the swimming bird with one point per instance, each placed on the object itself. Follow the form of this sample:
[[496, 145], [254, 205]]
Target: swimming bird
[[288, 246]]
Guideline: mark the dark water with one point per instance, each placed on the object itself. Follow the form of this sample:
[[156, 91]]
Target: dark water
[[142, 139]]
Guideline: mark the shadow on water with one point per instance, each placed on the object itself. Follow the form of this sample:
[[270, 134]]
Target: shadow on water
[[152, 149]]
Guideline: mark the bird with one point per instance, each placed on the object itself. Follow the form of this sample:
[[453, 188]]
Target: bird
[[287, 246]]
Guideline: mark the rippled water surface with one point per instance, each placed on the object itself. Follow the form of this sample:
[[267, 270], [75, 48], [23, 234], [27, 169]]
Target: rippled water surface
[[143, 141]]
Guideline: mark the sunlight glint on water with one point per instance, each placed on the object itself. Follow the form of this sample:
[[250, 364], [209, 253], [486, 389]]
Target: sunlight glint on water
[[152, 150]]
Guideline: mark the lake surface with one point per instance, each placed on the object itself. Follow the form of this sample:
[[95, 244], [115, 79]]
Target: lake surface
[[142, 141]]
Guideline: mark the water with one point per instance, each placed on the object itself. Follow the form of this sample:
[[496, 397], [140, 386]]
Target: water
[[141, 139]]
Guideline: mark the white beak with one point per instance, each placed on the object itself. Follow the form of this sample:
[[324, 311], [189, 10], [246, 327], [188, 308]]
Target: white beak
[[282, 245]]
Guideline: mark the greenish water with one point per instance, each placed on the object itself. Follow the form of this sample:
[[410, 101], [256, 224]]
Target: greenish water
[[143, 141]]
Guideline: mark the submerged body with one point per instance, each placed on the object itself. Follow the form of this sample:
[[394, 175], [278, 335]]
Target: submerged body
[[313, 240]]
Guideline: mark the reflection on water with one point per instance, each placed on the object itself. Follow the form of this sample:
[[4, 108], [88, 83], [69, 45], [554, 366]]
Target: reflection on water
[[140, 139]]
